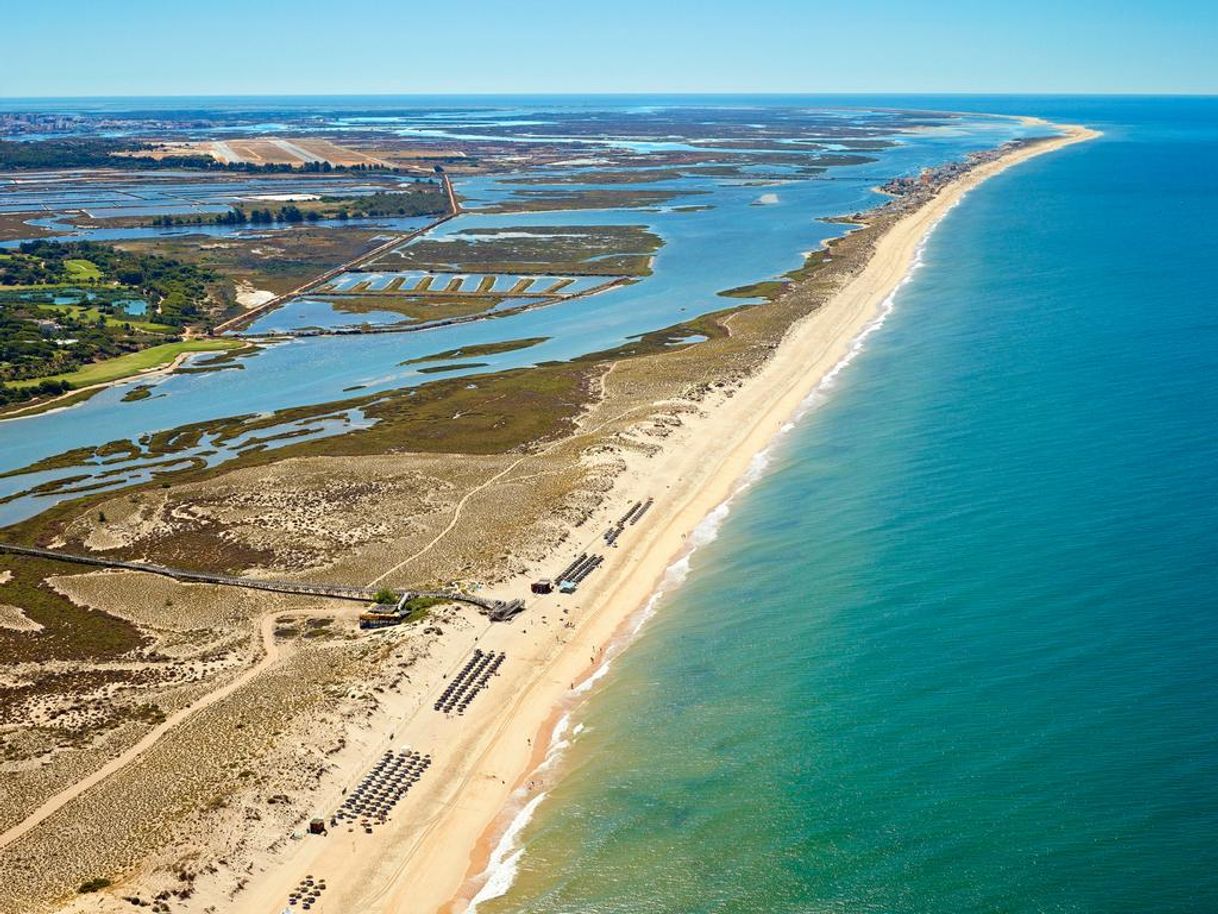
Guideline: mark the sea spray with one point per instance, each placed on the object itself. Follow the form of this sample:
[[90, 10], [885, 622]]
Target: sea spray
[[504, 860], [501, 870]]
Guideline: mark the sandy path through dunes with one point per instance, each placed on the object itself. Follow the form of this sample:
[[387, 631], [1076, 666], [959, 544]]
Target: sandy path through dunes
[[271, 652]]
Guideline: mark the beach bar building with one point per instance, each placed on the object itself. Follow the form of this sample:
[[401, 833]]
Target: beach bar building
[[382, 615]]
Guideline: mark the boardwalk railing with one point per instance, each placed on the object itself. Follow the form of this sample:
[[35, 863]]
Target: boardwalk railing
[[496, 609]]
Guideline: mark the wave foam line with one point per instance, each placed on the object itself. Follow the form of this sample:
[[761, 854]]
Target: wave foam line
[[504, 863], [505, 859]]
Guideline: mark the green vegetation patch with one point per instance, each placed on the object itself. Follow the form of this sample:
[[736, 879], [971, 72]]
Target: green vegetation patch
[[24, 408], [600, 250], [770, 289], [67, 152], [414, 307], [425, 198], [69, 632], [175, 291], [479, 349], [455, 366], [93, 314], [81, 270], [133, 363], [62, 313], [530, 201]]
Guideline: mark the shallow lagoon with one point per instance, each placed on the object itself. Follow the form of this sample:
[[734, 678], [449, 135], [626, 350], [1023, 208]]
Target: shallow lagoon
[[705, 252]]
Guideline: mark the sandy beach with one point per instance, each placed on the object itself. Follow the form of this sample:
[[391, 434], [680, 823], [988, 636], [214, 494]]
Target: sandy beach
[[433, 855]]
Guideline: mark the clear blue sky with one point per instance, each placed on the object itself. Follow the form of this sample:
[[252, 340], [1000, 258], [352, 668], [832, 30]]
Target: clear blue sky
[[168, 47]]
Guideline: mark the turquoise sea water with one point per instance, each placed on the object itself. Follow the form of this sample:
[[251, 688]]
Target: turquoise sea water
[[957, 649]]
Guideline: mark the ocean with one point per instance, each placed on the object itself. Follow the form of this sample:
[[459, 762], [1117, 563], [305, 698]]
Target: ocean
[[956, 648]]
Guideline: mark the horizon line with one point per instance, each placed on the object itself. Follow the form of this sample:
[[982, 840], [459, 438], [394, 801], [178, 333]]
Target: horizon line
[[638, 94]]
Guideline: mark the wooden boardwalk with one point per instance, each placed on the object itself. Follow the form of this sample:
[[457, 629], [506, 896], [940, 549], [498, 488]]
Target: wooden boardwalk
[[496, 609]]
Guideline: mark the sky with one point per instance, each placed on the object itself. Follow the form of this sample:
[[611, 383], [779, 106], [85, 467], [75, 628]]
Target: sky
[[273, 47]]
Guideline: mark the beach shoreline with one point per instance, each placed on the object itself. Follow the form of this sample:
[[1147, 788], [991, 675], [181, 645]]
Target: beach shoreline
[[442, 864], [866, 301], [491, 765]]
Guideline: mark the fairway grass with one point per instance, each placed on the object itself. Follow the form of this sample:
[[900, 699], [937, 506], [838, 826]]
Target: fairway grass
[[132, 363], [82, 270]]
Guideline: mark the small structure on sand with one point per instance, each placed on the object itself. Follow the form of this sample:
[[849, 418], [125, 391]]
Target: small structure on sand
[[543, 586], [381, 615]]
